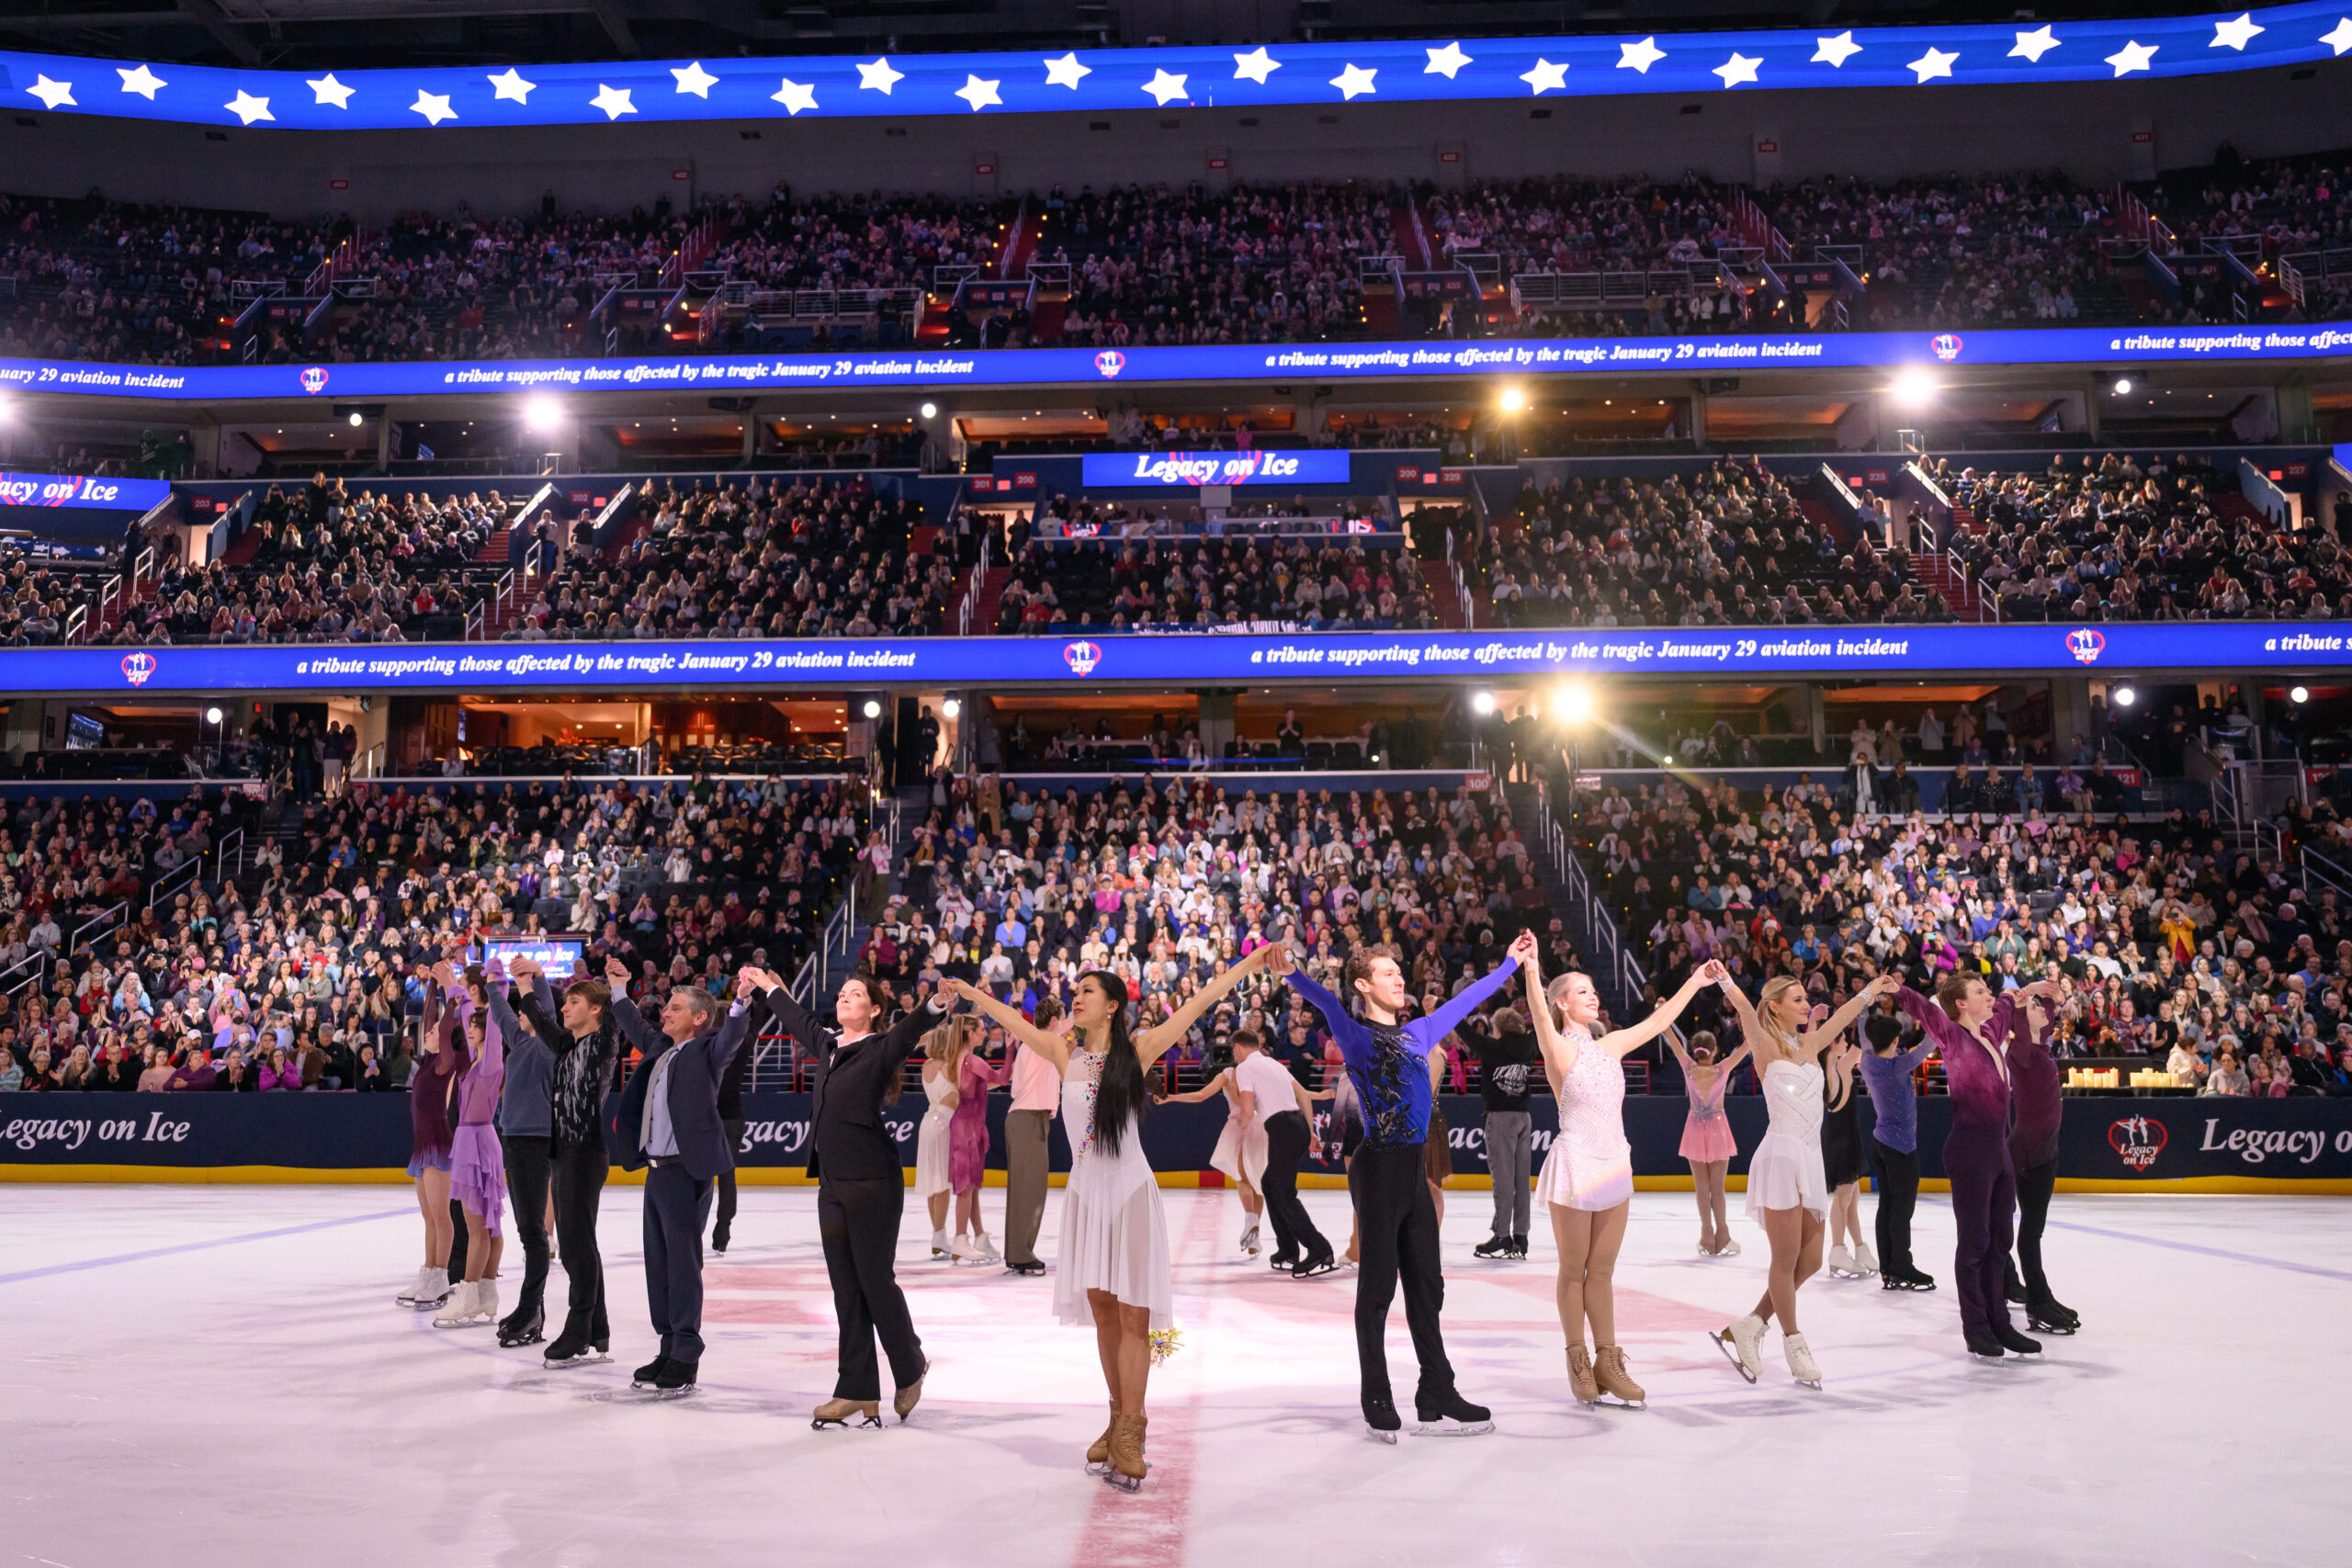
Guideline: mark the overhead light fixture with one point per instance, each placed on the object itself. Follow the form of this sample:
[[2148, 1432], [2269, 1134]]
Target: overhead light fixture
[[542, 413], [1915, 384], [2125, 696], [1513, 399], [1572, 703], [953, 708], [873, 708], [930, 411], [2122, 385], [2299, 695], [1482, 703], [356, 418]]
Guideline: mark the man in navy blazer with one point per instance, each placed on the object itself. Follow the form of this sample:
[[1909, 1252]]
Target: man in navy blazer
[[668, 1120]]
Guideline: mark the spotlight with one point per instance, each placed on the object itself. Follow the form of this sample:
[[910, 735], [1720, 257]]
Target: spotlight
[[1572, 703], [951, 708], [1915, 384], [356, 418], [2299, 695], [873, 708], [2122, 385], [1482, 703], [2124, 697], [1513, 399], [930, 411], [213, 716], [542, 413]]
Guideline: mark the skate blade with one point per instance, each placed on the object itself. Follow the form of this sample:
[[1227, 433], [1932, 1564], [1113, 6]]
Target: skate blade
[[1453, 1429], [1380, 1434], [823, 1424], [587, 1359], [1123, 1483], [673, 1393], [2054, 1328], [1098, 1468], [1610, 1402], [1806, 1383], [1731, 1353]]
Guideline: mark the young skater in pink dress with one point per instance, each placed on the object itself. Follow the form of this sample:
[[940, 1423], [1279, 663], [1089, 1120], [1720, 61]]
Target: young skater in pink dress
[[1707, 1141]]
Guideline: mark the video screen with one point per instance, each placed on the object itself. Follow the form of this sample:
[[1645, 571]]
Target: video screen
[[560, 956]]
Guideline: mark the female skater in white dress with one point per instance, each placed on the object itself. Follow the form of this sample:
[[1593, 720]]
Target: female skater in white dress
[[1241, 1152], [943, 1051], [1788, 1192], [1113, 1270], [1587, 1182]]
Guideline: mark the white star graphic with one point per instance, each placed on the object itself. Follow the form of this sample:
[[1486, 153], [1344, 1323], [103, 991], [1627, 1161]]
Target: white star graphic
[[327, 90], [2035, 44], [1639, 56], [979, 94], [1934, 64], [1739, 67], [1164, 87], [796, 95], [1444, 62], [2235, 35], [51, 94], [2132, 57], [614, 101], [1256, 65], [1353, 80], [142, 82], [695, 79], [1836, 51], [247, 107], [876, 74], [1546, 77], [2341, 39], [1066, 72], [434, 106], [509, 84]]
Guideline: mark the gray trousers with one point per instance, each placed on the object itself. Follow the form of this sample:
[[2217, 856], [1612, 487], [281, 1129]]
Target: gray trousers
[[1026, 1159], [1510, 1140]]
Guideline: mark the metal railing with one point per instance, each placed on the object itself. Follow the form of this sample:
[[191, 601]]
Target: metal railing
[[974, 586], [105, 922]]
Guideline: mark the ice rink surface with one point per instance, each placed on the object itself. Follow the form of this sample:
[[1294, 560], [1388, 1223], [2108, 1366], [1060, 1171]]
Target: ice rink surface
[[200, 1376]]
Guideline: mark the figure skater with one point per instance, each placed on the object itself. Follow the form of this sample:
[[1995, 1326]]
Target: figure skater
[[431, 1089], [1587, 1182], [967, 1152], [1895, 1144], [1841, 1159], [1388, 1063], [1113, 1269], [1787, 1192], [1707, 1141], [477, 1163], [585, 1040], [1971, 1029], [1241, 1152], [2033, 1150], [942, 1050], [861, 1191]]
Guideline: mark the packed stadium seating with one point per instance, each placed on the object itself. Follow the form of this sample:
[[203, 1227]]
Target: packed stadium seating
[[1303, 261]]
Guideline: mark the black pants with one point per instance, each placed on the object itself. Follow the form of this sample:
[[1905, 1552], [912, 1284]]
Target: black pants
[[1390, 1186], [458, 1239], [1295, 1234], [2035, 1184], [526, 1192], [725, 1220], [1898, 1195], [577, 1176], [858, 1221], [676, 1205]]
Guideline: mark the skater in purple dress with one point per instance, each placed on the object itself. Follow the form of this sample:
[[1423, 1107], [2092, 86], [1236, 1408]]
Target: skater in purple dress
[[2033, 1150], [1971, 1028]]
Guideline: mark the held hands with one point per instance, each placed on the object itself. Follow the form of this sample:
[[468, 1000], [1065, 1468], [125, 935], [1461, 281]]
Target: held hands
[[1278, 958], [522, 969], [1523, 948], [616, 974], [1713, 972]]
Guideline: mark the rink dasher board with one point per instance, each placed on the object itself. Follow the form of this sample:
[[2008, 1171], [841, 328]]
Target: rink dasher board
[[2295, 1144]]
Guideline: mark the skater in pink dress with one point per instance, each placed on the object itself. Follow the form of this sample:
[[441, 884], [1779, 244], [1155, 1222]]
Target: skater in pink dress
[[1707, 1141], [1587, 1182], [968, 1154], [477, 1162]]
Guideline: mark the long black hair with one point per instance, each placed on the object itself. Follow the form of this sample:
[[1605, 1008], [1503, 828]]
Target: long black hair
[[1123, 1094]]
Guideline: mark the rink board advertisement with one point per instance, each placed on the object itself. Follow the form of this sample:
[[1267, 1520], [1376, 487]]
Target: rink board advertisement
[[1087, 662], [1226, 363], [2122, 1140]]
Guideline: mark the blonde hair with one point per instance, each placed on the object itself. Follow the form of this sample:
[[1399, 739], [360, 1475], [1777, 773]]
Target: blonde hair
[[950, 1040], [1777, 987]]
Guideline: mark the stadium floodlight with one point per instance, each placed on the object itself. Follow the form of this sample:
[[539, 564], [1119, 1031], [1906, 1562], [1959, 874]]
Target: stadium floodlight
[[1572, 703], [2125, 696], [356, 418], [873, 708], [1513, 399], [952, 707], [930, 411], [542, 413], [2122, 385], [2299, 695], [1482, 703]]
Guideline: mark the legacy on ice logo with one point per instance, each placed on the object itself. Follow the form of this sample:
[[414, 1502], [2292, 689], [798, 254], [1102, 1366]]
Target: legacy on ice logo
[[1946, 346], [2085, 645], [314, 380], [1110, 362], [1082, 657], [137, 667], [2138, 1140]]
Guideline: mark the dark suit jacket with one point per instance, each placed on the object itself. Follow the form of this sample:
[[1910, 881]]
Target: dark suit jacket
[[693, 1092], [845, 1111]]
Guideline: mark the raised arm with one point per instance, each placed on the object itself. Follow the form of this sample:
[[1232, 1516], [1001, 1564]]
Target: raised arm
[[1751, 1028], [1618, 1042], [1216, 1085], [1053, 1048], [1447, 1018], [1843, 1019], [511, 1029], [731, 1034], [1558, 1051], [805, 1031], [1153, 1042]]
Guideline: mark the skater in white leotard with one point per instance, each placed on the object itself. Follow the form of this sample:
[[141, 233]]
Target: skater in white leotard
[[1587, 1182], [1787, 1192]]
